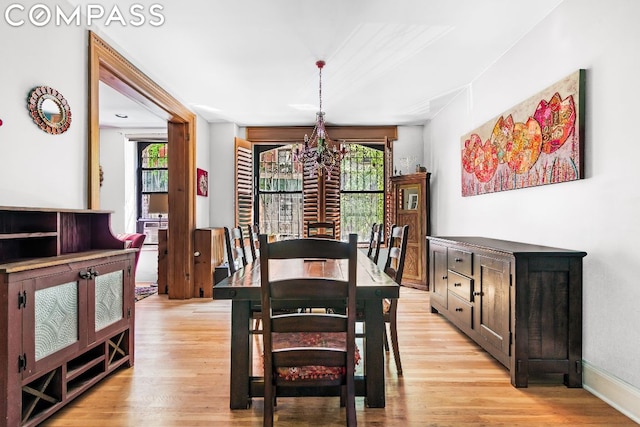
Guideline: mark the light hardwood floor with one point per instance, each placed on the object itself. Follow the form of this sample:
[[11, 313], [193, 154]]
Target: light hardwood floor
[[181, 378]]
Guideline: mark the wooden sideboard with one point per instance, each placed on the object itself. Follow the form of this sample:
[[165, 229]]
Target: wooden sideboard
[[520, 302], [410, 194], [66, 308]]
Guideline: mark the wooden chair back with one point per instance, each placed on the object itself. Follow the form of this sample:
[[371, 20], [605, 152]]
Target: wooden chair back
[[254, 243], [236, 253], [394, 266], [303, 328], [375, 240], [321, 229]]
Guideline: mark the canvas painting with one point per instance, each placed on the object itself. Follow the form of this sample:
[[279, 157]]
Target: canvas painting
[[540, 141]]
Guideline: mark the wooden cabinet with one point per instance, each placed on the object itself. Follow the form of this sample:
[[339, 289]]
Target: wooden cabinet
[[209, 249], [410, 194], [66, 308], [520, 302]]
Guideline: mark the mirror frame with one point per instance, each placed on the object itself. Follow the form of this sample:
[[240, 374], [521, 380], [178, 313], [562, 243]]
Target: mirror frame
[[37, 97]]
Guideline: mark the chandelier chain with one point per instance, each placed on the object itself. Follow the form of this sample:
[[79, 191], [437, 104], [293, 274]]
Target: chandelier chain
[[320, 89]]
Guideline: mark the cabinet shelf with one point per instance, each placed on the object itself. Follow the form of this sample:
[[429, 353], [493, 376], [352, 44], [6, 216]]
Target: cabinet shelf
[[82, 382], [32, 235], [77, 370]]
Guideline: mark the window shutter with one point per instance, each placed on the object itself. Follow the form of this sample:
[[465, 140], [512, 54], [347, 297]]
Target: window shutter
[[332, 198], [321, 197], [244, 183], [310, 196]]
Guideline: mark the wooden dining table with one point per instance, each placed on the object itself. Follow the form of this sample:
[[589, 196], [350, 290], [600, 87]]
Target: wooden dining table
[[243, 289]]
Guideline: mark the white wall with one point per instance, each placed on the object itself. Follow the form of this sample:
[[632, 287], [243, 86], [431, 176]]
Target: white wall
[[599, 214], [408, 146], [112, 192], [222, 174], [202, 161], [130, 186], [39, 169]]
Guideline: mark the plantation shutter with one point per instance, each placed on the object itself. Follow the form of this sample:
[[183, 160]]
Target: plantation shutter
[[332, 197], [244, 183], [310, 196], [321, 197]]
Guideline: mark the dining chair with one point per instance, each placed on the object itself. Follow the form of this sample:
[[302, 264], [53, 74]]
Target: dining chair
[[375, 240], [305, 350], [321, 229], [236, 253], [254, 244], [394, 267]]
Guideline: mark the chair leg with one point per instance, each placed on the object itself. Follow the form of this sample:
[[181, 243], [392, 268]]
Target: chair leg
[[269, 398], [396, 349], [352, 421], [386, 340]]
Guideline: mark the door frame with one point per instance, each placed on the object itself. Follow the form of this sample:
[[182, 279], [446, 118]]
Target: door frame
[[110, 67]]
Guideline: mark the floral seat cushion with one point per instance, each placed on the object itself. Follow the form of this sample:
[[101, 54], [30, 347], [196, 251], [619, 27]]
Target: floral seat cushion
[[335, 340]]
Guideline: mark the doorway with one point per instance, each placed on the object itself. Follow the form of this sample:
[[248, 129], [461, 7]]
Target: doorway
[[107, 66]]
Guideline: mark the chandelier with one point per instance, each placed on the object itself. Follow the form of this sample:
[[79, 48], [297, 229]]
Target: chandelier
[[319, 152]]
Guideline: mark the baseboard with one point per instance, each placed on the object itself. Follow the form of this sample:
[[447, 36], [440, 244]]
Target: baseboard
[[622, 396]]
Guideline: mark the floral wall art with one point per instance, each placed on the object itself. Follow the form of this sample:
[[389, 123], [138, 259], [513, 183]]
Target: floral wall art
[[540, 141]]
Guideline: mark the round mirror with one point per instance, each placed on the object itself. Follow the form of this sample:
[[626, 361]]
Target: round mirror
[[49, 109]]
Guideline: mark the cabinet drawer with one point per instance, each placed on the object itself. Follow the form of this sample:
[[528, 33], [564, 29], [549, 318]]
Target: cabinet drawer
[[460, 261], [461, 311], [461, 285]]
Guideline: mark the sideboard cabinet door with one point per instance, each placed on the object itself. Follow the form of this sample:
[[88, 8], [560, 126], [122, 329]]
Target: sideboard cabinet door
[[54, 317], [492, 298], [438, 279]]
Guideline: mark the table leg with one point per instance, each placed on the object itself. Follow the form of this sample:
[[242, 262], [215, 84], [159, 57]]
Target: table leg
[[240, 354], [374, 353]]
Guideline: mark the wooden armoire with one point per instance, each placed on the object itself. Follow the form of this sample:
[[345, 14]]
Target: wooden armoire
[[410, 196]]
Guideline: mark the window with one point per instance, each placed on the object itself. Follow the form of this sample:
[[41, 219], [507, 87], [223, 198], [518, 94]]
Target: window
[[153, 175], [362, 190], [281, 195], [279, 192]]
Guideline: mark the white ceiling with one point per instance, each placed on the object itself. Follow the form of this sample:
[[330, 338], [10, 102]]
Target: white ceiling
[[252, 62]]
